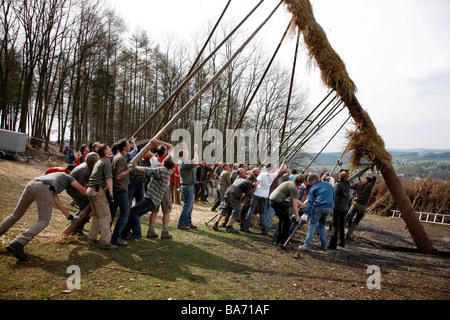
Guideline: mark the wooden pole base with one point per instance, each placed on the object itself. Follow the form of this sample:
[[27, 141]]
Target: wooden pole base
[[404, 204], [397, 190], [74, 224]]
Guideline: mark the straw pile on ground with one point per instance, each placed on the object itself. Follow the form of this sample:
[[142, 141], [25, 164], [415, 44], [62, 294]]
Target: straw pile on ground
[[432, 196], [367, 144]]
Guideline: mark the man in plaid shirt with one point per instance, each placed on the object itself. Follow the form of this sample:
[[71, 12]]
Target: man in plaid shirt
[[138, 180], [153, 196]]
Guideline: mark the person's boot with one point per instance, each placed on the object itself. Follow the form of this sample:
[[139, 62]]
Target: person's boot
[[216, 226], [17, 248], [120, 243], [151, 234], [166, 235], [230, 229], [108, 247]]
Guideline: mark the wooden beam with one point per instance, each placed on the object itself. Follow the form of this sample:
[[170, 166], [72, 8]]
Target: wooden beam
[[186, 107], [72, 227], [397, 190]]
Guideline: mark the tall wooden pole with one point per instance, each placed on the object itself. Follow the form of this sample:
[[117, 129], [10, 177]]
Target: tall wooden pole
[[186, 107], [398, 191], [335, 76], [74, 224], [174, 94]]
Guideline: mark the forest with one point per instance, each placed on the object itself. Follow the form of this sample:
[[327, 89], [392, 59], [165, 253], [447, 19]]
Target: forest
[[73, 71]]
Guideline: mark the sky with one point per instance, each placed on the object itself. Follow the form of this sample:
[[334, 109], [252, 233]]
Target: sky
[[397, 52]]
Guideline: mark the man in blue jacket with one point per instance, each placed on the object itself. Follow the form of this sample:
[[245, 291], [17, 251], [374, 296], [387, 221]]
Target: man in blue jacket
[[320, 205]]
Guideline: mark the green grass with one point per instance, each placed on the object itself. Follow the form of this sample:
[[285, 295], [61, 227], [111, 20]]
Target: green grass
[[195, 265]]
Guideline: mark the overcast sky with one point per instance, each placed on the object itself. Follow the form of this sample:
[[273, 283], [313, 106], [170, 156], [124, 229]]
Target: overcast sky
[[397, 52]]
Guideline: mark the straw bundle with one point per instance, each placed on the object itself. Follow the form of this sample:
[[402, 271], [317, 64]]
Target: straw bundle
[[333, 71], [366, 144]]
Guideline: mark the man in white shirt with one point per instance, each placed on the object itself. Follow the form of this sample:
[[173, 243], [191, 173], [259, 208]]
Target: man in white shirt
[[260, 196]]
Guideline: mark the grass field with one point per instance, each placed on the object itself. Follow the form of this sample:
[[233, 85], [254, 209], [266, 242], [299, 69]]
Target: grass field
[[204, 264]]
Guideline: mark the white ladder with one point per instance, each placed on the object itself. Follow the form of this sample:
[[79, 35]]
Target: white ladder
[[438, 218]]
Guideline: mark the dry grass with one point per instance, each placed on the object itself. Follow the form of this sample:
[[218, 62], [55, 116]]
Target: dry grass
[[366, 144]]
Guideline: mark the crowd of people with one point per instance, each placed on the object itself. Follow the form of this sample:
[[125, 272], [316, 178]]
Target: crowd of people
[[104, 178]]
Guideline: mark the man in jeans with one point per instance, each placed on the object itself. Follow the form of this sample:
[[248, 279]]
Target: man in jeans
[[138, 181], [233, 199], [320, 205], [202, 177], [153, 197], [260, 196], [341, 205], [284, 197], [282, 176], [187, 180], [224, 183], [121, 174]]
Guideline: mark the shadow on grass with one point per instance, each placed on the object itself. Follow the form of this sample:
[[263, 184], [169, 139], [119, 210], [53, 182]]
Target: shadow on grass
[[199, 260]]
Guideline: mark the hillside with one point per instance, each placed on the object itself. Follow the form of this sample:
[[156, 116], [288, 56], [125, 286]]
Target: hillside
[[408, 163]]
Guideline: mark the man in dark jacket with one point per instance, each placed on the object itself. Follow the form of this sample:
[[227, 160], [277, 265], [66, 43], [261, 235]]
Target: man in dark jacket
[[341, 206], [358, 209], [200, 183]]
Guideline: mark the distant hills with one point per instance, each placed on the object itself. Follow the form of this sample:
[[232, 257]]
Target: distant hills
[[398, 155]]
